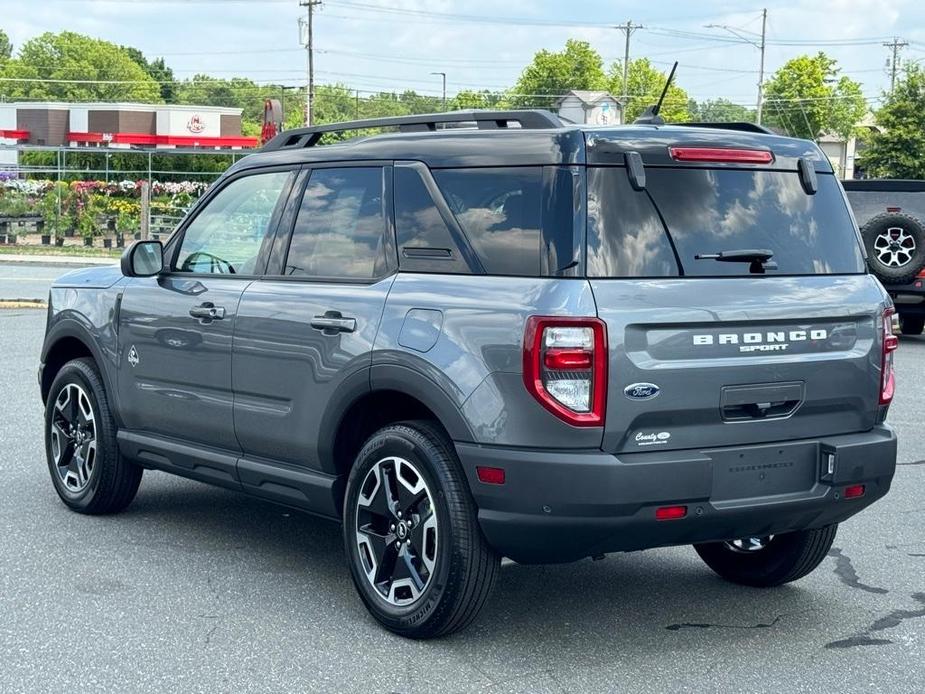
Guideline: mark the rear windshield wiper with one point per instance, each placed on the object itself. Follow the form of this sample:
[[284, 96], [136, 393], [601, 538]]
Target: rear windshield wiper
[[758, 258]]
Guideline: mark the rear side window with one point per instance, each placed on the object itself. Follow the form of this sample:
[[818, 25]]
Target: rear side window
[[713, 210], [501, 212], [340, 231]]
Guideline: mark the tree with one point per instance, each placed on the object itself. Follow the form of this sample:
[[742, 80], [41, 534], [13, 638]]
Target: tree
[[644, 86], [61, 65], [550, 75], [6, 47], [807, 98], [721, 111], [157, 69], [898, 150], [470, 99]]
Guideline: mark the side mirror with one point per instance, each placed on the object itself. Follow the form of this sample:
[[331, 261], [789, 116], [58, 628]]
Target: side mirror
[[143, 259]]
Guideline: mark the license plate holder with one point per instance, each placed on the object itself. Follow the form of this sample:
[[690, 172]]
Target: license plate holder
[[764, 470]]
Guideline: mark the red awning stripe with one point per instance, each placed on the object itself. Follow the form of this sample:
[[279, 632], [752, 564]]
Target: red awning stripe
[[148, 139], [15, 134]]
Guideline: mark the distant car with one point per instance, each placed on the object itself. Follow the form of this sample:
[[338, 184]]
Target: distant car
[[891, 215], [521, 339]]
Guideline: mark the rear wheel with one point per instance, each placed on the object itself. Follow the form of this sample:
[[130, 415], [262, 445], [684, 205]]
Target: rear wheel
[[417, 555], [911, 325], [87, 470], [769, 561]]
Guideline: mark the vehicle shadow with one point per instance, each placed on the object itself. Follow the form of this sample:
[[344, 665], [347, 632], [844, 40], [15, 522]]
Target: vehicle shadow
[[537, 615]]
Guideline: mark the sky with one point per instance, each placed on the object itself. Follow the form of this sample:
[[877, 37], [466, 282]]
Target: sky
[[374, 45]]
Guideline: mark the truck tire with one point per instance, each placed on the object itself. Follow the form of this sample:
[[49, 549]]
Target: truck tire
[[911, 325], [414, 546], [895, 247], [769, 561], [87, 470]]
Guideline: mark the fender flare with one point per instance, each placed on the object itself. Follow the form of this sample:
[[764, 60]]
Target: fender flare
[[70, 328], [388, 377]]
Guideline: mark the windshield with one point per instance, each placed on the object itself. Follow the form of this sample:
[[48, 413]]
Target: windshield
[[709, 211]]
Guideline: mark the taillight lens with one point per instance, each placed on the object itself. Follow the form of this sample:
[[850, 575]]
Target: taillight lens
[[887, 373], [565, 367]]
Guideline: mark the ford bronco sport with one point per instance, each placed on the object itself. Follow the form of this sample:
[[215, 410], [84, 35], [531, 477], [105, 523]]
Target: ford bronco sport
[[490, 334]]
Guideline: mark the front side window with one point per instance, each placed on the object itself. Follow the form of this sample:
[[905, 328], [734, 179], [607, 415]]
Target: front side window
[[340, 231], [226, 235]]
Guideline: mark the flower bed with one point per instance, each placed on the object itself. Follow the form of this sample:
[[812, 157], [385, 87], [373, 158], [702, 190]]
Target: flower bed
[[88, 209]]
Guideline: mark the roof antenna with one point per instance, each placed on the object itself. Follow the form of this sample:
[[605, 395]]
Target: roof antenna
[[650, 115]]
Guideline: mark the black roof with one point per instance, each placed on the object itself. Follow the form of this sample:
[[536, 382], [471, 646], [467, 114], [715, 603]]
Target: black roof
[[541, 139]]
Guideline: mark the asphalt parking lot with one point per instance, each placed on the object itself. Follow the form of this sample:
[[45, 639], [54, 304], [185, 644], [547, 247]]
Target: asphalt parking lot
[[197, 589]]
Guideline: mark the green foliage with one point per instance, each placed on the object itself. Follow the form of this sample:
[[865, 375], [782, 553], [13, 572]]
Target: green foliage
[[578, 66], [6, 46], [721, 111], [644, 86], [483, 99], [899, 150], [70, 56], [807, 98], [157, 70]]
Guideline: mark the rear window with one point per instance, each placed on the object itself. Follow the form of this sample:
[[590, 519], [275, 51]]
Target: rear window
[[714, 210]]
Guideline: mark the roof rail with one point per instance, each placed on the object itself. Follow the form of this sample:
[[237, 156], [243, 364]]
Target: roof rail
[[735, 125], [528, 119]]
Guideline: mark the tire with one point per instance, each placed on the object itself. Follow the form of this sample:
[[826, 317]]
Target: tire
[[911, 325], [895, 247], [92, 483], [454, 569], [785, 558]]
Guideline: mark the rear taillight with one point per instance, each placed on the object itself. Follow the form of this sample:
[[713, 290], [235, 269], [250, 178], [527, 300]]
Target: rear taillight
[[887, 374], [565, 367], [721, 155]]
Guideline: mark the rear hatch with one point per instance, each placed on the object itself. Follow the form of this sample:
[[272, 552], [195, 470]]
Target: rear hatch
[[707, 353]]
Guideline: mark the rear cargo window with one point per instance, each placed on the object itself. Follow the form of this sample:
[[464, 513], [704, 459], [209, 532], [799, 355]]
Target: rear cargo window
[[500, 210], [714, 210]]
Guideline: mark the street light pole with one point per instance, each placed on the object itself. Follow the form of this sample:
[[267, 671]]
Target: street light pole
[[443, 75]]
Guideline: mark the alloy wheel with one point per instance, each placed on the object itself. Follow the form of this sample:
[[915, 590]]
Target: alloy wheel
[[396, 531], [747, 545], [895, 247], [73, 437]]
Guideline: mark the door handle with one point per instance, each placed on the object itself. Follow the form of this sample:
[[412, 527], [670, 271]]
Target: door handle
[[207, 311], [332, 322]]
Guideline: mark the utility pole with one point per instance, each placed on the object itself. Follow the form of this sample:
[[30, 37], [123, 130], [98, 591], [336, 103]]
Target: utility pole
[[443, 75], [895, 44], [764, 36], [760, 42], [308, 41], [627, 30]]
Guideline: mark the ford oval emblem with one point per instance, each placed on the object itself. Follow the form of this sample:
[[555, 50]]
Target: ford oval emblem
[[641, 391]]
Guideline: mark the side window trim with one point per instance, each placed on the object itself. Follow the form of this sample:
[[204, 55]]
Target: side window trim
[[457, 233], [176, 240], [283, 241]]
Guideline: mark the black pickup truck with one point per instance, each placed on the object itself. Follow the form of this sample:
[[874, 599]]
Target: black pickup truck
[[891, 215]]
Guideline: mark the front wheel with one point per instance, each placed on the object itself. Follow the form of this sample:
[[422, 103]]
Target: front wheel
[[87, 470], [769, 561], [417, 555]]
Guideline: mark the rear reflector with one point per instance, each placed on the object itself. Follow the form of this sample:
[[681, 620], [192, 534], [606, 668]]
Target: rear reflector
[[490, 475], [921, 274], [854, 491], [721, 155], [670, 512]]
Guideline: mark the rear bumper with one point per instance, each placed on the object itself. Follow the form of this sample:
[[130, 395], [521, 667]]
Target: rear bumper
[[558, 506]]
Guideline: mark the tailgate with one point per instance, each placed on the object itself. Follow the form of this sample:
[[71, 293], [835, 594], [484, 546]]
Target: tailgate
[[707, 362]]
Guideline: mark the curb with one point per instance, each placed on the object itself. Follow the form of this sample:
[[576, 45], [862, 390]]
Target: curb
[[66, 260], [21, 303]]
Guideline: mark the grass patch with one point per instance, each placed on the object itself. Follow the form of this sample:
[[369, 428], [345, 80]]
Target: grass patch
[[82, 251]]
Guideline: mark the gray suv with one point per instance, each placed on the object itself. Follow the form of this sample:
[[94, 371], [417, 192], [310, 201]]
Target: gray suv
[[489, 334]]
